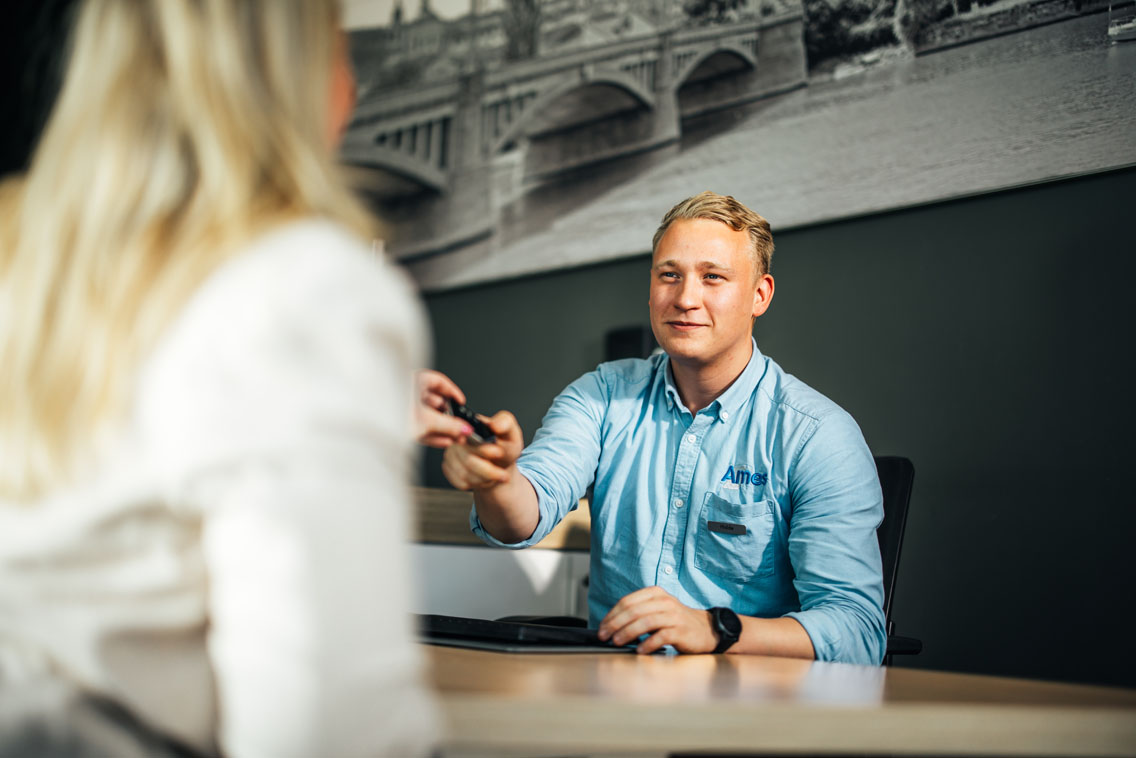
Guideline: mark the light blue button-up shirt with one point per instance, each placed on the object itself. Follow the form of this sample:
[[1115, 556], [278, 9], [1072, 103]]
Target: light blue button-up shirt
[[674, 489]]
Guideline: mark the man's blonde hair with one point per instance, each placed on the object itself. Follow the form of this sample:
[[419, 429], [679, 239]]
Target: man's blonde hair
[[733, 214], [183, 128]]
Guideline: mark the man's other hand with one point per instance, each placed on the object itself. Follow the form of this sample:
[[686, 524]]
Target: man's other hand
[[655, 611], [433, 426], [481, 467]]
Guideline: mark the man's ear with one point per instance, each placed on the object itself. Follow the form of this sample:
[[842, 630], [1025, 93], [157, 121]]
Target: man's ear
[[762, 294]]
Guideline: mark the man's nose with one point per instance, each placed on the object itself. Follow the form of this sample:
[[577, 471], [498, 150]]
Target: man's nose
[[689, 295]]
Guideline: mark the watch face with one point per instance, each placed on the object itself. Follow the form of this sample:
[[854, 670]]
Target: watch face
[[730, 622]]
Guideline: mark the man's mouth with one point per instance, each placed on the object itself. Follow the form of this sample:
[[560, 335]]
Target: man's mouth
[[684, 326]]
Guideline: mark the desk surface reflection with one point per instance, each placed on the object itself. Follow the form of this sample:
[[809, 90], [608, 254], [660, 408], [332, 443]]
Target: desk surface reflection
[[588, 704]]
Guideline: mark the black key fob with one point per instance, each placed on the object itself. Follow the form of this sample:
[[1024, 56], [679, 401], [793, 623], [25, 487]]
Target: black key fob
[[481, 431]]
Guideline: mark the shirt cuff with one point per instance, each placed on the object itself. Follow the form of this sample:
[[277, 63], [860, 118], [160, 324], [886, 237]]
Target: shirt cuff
[[821, 630], [477, 528], [833, 640]]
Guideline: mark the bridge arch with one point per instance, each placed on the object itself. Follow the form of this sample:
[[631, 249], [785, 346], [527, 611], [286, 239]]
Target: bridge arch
[[398, 163], [727, 50], [617, 79]]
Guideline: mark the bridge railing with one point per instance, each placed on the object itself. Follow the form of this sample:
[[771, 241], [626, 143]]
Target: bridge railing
[[510, 89], [643, 44], [404, 100], [640, 44], [553, 64], [390, 104]]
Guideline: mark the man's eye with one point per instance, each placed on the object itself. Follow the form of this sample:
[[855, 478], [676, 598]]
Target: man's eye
[[669, 275], [713, 276]]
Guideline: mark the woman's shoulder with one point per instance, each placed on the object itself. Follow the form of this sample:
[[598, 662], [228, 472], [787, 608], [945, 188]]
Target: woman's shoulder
[[302, 274], [310, 240], [304, 258], [305, 313]]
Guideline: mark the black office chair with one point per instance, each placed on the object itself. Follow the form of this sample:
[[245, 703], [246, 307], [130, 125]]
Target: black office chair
[[896, 478]]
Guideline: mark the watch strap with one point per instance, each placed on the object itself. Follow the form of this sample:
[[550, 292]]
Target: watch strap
[[726, 636]]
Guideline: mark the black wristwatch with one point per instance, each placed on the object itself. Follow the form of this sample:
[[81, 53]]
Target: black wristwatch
[[728, 626]]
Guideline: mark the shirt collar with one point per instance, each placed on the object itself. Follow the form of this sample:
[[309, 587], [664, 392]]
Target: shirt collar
[[735, 395]]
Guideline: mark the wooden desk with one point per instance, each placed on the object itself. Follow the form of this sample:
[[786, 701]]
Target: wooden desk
[[498, 704]]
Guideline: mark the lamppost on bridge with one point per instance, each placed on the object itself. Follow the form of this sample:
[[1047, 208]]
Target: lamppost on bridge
[[473, 60]]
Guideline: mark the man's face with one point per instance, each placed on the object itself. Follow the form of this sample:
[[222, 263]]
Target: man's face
[[705, 292]]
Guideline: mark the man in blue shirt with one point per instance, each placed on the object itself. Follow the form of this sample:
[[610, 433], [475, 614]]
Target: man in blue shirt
[[734, 507]]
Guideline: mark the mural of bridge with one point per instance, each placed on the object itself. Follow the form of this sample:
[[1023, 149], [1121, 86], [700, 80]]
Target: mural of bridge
[[442, 159]]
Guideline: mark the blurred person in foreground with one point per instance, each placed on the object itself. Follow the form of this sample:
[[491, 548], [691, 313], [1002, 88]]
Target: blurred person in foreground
[[205, 428]]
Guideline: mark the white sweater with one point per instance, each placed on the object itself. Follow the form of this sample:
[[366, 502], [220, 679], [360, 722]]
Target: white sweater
[[234, 569]]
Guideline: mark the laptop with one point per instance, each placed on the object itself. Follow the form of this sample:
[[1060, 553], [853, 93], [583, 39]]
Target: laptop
[[511, 636]]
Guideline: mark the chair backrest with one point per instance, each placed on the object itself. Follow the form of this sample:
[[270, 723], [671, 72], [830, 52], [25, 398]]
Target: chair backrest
[[897, 475]]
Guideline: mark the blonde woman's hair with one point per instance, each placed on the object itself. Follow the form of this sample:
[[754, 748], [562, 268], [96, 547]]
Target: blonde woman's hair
[[733, 214], [183, 128]]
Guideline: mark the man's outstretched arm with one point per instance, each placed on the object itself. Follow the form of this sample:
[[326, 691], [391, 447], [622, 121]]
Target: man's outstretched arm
[[521, 493], [506, 502]]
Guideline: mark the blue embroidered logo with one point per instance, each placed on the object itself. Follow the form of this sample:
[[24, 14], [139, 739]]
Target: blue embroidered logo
[[739, 475]]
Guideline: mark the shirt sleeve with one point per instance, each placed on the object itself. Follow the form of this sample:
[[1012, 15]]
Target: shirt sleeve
[[837, 507], [561, 461], [281, 411]]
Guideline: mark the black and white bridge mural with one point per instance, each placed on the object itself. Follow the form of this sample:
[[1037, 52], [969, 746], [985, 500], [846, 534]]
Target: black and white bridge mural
[[444, 158]]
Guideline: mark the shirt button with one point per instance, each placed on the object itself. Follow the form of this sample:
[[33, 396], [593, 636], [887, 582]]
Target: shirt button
[[668, 570], [691, 439], [678, 502], [725, 415]]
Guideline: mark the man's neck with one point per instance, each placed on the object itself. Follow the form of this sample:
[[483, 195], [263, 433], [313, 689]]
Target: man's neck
[[700, 384]]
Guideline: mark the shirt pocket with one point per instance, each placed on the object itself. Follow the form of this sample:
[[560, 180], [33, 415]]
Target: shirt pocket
[[732, 554]]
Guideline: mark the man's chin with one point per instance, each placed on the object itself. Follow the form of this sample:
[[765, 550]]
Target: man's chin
[[686, 351]]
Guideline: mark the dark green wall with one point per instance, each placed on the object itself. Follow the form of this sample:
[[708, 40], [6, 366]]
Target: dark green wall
[[988, 339]]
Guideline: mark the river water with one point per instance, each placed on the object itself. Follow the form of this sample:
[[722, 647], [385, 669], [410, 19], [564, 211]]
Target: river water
[[1046, 103]]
